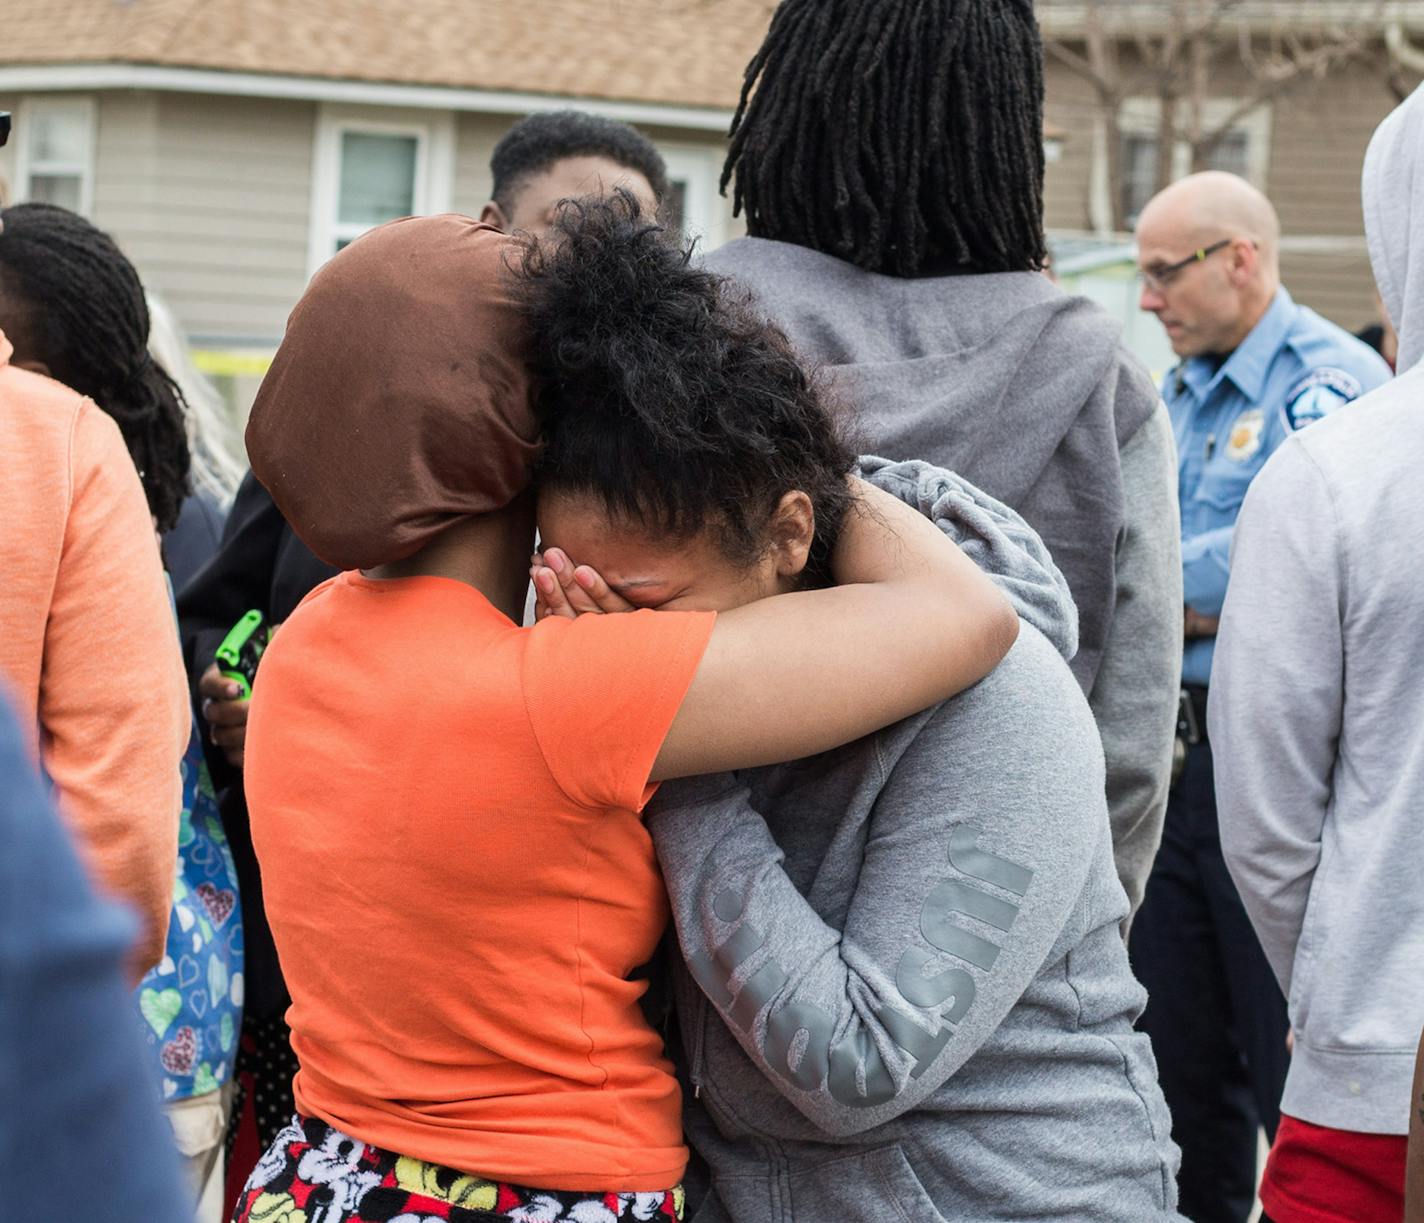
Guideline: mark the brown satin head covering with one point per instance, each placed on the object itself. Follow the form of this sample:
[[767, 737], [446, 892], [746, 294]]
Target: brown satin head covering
[[399, 401]]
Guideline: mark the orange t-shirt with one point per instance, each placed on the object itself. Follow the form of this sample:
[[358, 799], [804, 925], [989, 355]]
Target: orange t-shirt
[[444, 807]]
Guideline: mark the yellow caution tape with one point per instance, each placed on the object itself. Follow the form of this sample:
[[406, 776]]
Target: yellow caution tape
[[231, 363]]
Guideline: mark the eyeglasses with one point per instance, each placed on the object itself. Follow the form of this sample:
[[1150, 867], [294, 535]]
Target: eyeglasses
[[1159, 277]]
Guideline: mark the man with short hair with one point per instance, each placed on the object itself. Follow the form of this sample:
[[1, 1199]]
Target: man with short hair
[[1318, 717], [1255, 368], [564, 154]]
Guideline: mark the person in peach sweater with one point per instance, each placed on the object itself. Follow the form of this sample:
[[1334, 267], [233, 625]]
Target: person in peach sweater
[[88, 645]]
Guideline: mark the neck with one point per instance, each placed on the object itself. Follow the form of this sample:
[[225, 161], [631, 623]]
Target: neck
[[1254, 312], [487, 551]]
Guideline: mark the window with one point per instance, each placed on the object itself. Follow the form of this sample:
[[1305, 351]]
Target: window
[[1244, 150], [691, 204], [369, 171], [1139, 166], [1231, 154], [377, 182], [56, 152], [1138, 169]]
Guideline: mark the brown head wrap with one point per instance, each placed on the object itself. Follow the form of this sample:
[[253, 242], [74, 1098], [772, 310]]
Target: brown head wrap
[[399, 401]]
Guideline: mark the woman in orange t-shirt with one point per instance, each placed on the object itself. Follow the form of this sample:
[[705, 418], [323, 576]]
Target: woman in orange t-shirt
[[445, 805]]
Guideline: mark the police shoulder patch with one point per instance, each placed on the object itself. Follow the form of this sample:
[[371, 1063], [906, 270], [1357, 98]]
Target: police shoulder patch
[[1321, 391]]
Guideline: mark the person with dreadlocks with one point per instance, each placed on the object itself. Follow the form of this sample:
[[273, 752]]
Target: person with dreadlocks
[[888, 157], [76, 308], [87, 643]]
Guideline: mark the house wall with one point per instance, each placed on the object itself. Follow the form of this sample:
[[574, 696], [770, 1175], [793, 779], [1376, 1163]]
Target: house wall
[[212, 198], [219, 224], [1067, 185], [10, 102], [1318, 132]]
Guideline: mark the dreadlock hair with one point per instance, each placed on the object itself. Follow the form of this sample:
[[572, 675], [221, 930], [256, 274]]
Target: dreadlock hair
[[904, 136], [85, 307], [666, 396], [535, 143]]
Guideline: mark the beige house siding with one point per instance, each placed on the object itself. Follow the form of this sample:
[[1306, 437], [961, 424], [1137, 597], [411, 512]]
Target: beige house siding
[[475, 138], [1318, 152], [10, 102], [1317, 135], [1067, 187], [212, 196], [225, 237]]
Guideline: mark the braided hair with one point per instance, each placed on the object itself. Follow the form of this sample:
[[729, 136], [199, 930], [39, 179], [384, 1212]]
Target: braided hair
[[904, 136], [85, 310]]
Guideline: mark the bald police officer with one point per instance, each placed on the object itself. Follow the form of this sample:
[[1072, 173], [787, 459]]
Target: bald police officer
[[1255, 367]]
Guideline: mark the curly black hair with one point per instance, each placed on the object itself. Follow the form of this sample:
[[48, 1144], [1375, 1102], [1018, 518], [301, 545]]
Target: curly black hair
[[904, 137], [87, 319], [535, 143], [667, 396]]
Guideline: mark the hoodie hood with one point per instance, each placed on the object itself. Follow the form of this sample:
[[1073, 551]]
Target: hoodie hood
[[995, 538], [939, 356], [1020, 389], [1393, 180]]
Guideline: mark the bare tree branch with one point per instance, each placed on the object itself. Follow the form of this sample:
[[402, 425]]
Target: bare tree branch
[[1078, 64], [1180, 45], [1278, 79]]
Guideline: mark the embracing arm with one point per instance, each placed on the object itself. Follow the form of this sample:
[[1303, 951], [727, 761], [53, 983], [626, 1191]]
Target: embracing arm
[[956, 907], [913, 621]]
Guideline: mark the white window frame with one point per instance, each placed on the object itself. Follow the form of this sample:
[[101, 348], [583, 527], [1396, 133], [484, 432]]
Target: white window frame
[[434, 169], [1142, 117], [698, 169], [28, 167]]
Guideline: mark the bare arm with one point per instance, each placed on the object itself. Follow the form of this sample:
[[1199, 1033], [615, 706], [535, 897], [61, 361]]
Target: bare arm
[[913, 622]]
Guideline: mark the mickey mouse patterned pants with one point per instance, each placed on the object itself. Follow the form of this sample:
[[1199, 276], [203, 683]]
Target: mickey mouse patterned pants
[[313, 1173]]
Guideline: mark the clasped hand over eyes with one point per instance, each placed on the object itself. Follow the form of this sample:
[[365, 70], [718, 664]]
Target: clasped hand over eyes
[[562, 588]]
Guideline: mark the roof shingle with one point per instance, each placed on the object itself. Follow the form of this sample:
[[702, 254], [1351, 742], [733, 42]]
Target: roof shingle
[[684, 52]]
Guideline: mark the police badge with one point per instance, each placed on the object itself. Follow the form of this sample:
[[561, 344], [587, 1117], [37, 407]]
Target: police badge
[[1245, 437]]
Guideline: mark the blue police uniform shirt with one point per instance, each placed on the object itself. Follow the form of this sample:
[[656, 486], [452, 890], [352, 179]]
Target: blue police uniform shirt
[[1229, 416]]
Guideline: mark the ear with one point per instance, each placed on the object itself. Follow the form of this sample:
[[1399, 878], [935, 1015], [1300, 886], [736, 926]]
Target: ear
[[793, 527], [1245, 261], [493, 214]]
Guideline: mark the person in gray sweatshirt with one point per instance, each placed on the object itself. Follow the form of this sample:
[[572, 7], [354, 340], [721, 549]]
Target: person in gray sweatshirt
[[889, 160], [903, 993], [1317, 721]]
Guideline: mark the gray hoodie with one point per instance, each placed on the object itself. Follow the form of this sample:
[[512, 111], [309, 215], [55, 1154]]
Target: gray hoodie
[[1028, 393], [1317, 702], [907, 995]]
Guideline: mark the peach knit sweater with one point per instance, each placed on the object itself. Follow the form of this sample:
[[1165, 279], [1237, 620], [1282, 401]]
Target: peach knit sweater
[[88, 645]]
